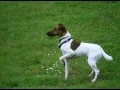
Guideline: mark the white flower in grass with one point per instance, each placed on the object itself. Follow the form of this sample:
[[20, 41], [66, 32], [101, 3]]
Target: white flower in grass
[[55, 51], [60, 72], [56, 65], [48, 54], [50, 68], [55, 70], [42, 67]]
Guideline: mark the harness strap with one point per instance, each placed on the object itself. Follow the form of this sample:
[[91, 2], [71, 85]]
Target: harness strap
[[64, 42], [63, 38]]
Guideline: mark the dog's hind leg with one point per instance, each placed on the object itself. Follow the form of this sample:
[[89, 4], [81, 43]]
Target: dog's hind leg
[[66, 68], [91, 73], [93, 65], [91, 68]]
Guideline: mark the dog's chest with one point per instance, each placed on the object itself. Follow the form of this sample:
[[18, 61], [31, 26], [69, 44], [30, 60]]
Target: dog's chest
[[66, 47]]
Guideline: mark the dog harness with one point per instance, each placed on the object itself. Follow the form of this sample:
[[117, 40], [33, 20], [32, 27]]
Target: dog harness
[[59, 46]]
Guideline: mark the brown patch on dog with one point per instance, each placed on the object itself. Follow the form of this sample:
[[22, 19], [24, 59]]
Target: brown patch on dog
[[75, 44]]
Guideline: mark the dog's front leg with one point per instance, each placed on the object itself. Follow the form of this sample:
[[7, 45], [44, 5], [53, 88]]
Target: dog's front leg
[[65, 56], [66, 68]]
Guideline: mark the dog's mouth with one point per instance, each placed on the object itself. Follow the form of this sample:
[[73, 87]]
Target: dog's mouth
[[50, 34]]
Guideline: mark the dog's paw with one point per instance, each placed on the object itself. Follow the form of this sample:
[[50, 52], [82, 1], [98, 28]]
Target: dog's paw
[[93, 80], [61, 61], [61, 58], [90, 74]]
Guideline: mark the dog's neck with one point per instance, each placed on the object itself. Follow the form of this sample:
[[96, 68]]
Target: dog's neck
[[64, 39], [66, 36]]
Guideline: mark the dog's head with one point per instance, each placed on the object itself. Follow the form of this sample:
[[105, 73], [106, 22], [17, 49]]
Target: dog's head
[[59, 30]]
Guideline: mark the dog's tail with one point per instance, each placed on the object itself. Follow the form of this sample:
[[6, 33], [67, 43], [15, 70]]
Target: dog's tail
[[106, 56]]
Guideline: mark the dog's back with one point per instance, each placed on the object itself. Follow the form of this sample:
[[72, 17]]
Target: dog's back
[[89, 49], [86, 48]]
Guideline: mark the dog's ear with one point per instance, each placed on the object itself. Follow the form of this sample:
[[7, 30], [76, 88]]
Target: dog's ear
[[62, 27]]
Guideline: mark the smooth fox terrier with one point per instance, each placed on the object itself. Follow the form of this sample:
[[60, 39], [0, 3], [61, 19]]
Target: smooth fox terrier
[[73, 48]]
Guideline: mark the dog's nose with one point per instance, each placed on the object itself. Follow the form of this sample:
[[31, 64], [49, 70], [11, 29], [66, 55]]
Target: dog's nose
[[47, 33], [50, 34]]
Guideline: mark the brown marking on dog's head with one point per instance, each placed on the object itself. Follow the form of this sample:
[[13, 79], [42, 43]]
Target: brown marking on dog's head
[[59, 30], [74, 44]]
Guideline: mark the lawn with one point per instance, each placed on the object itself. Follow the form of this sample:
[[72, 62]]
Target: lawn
[[29, 58]]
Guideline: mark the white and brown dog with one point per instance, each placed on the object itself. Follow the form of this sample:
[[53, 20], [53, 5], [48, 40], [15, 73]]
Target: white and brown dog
[[73, 48]]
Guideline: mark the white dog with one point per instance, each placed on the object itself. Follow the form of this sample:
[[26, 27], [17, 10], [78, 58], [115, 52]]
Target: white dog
[[72, 48]]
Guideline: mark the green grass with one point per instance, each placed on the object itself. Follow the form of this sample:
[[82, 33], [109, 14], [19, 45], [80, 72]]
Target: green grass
[[25, 48]]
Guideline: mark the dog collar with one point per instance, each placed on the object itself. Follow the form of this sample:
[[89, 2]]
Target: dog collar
[[63, 38], [64, 42]]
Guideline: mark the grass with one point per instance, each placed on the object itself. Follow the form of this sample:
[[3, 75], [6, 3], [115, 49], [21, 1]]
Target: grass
[[25, 48]]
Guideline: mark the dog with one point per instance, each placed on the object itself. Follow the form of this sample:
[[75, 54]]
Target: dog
[[73, 48]]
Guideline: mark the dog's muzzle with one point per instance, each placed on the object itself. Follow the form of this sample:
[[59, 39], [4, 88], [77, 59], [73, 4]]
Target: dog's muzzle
[[50, 34]]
